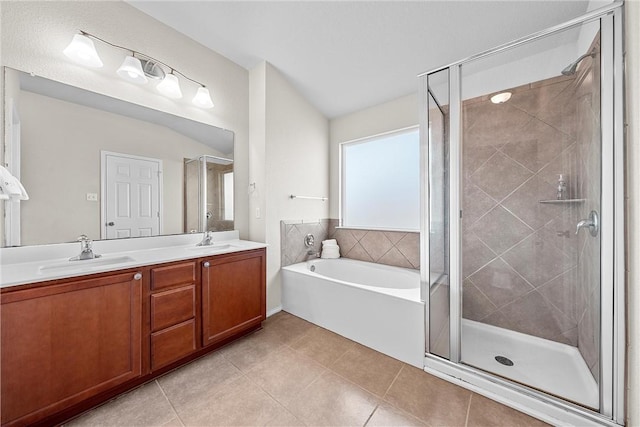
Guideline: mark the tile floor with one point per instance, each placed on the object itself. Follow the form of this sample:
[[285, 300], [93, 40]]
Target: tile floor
[[294, 373]]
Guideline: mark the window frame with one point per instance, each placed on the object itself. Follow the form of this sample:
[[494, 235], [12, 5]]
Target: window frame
[[341, 180]]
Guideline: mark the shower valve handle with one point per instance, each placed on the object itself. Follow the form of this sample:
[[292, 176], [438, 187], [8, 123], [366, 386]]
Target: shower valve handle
[[592, 223]]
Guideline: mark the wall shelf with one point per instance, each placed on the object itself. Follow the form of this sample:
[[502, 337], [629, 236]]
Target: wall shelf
[[557, 202]]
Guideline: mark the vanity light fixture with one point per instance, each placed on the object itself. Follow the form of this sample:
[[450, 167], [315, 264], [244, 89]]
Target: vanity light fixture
[[203, 98], [131, 70], [137, 68], [170, 86], [499, 98], [82, 50]]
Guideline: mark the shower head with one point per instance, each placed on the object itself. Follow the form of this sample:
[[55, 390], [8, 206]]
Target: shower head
[[570, 69]]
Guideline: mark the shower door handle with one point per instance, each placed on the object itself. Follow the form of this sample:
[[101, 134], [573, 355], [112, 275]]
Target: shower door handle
[[592, 223]]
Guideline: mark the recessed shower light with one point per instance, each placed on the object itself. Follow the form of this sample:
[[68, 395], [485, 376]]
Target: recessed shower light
[[499, 98]]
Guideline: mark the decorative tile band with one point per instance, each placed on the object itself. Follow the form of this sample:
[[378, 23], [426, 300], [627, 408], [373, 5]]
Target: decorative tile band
[[400, 249]]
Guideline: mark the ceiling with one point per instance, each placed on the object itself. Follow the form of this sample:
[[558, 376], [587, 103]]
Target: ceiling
[[346, 56]]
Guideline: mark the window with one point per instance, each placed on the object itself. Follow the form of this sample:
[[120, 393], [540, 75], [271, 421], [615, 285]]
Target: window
[[381, 182], [227, 180]]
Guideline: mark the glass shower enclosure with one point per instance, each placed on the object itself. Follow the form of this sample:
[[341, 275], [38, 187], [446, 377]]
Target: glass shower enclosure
[[520, 147], [208, 194]]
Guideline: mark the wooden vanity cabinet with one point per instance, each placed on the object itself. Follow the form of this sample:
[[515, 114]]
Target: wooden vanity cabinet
[[70, 344], [66, 342], [174, 313], [233, 294]]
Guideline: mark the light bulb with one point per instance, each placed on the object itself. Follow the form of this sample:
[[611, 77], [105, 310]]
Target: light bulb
[[82, 51], [131, 70], [501, 97], [203, 98], [170, 87]]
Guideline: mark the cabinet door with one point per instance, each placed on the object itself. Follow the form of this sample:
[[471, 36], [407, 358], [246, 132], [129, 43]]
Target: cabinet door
[[63, 343], [233, 294]]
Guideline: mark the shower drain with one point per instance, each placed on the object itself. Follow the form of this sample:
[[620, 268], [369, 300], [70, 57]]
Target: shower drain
[[504, 360]]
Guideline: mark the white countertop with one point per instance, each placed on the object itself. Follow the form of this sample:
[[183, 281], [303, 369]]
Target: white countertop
[[30, 264]]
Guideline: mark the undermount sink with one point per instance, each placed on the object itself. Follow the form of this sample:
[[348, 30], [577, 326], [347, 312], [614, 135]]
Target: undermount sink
[[88, 264], [213, 248]]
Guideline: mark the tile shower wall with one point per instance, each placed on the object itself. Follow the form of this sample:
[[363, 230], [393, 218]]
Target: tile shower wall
[[524, 268], [519, 256], [383, 247], [588, 138]]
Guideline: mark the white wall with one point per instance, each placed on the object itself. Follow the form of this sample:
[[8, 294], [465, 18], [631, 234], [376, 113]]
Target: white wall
[[63, 140], [257, 138], [34, 34], [295, 138], [632, 40], [396, 114]]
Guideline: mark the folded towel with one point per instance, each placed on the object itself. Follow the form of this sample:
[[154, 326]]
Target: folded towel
[[330, 251], [330, 242], [330, 254]]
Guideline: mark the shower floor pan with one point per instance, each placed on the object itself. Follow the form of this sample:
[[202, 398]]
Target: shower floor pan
[[546, 365]]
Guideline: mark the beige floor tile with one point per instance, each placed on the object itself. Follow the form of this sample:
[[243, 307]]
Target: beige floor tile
[[285, 419], [368, 368], [252, 349], [199, 378], [323, 346], [289, 328], [275, 317], [144, 406], [285, 373], [431, 399], [333, 401], [486, 412], [387, 415], [240, 403], [174, 422]]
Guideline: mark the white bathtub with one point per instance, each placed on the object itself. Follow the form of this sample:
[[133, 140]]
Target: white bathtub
[[376, 305]]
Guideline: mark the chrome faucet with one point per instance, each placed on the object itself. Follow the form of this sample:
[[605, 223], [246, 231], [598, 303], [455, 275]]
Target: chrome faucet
[[315, 253], [206, 239], [86, 252]]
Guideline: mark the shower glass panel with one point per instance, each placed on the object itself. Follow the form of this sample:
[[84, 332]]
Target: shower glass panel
[[438, 146], [530, 184], [208, 193]]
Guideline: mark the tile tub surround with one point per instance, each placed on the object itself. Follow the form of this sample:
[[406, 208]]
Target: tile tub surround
[[523, 266], [399, 249], [294, 373]]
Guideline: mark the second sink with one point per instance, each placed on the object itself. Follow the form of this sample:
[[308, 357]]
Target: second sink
[[84, 264]]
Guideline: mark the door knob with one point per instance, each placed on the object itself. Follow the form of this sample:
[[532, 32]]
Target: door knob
[[592, 223], [111, 223]]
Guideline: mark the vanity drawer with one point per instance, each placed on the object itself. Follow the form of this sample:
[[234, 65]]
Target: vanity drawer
[[171, 307], [172, 275], [171, 344]]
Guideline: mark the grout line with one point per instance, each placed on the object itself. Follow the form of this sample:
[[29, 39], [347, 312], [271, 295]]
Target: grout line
[[169, 401], [484, 163], [393, 382], [481, 293], [466, 421], [371, 415]]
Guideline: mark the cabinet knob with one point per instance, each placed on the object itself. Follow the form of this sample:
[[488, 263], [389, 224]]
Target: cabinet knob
[[206, 264], [137, 276]]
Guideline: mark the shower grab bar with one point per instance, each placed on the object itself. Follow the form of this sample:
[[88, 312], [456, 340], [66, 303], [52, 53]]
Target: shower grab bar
[[324, 199]]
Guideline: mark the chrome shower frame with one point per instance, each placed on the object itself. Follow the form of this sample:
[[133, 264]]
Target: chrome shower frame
[[612, 350], [202, 185]]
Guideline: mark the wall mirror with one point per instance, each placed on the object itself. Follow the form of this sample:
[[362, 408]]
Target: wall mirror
[[107, 168]]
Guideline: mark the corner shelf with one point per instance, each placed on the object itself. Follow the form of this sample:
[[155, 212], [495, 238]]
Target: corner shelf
[[557, 202]]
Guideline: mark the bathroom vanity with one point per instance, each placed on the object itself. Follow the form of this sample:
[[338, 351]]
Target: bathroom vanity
[[80, 337]]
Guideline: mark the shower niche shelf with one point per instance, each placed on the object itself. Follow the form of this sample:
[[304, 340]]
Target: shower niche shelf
[[556, 201]]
